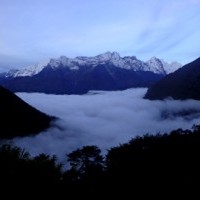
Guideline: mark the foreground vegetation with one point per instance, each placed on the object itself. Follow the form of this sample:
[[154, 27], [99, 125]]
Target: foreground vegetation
[[165, 164]]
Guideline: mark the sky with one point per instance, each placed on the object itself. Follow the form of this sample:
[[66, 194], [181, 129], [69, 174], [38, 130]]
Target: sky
[[34, 31], [106, 119]]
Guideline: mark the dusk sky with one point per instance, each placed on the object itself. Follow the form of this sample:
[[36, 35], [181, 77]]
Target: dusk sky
[[33, 31]]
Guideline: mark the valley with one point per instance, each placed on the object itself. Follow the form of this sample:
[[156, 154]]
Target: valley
[[104, 118]]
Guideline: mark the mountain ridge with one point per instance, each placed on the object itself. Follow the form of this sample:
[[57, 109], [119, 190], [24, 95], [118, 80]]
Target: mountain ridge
[[18, 119], [107, 71], [127, 62], [182, 84]]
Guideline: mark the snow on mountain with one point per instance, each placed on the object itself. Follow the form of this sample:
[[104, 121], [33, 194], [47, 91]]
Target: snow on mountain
[[185, 83], [29, 71], [128, 62], [169, 68], [155, 65]]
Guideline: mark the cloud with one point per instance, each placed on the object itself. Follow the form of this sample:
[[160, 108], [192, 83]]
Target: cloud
[[105, 119], [141, 28]]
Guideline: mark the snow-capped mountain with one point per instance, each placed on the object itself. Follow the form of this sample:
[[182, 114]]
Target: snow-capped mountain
[[154, 65], [107, 71], [28, 71], [182, 84], [172, 67]]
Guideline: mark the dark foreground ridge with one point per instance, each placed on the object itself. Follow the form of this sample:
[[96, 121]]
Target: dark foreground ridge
[[182, 84], [149, 166], [17, 118]]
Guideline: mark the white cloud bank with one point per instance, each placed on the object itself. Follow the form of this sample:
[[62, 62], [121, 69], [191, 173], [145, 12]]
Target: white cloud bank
[[103, 118]]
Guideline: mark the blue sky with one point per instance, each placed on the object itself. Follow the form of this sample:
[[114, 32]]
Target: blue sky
[[33, 31]]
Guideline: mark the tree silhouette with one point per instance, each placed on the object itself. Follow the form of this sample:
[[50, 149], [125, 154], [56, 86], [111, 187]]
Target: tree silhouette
[[13, 163], [86, 170], [45, 169], [145, 166], [83, 159], [18, 170]]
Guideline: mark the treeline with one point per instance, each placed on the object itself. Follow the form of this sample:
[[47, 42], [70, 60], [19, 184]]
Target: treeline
[[147, 166]]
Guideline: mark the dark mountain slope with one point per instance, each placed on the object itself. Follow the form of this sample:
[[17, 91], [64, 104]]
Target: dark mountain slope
[[62, 80], [108, 71], [182, 84], [17, 118]]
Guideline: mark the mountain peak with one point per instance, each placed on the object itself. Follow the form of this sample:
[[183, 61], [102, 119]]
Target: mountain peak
[[109, 55], [154, 65], [107, 71], [166, 67], [182, 84], [28, 71], [154, 58], [115, 54], [170, 67]]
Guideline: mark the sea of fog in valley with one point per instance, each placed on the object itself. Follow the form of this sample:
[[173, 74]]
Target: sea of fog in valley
[[104, 118]]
